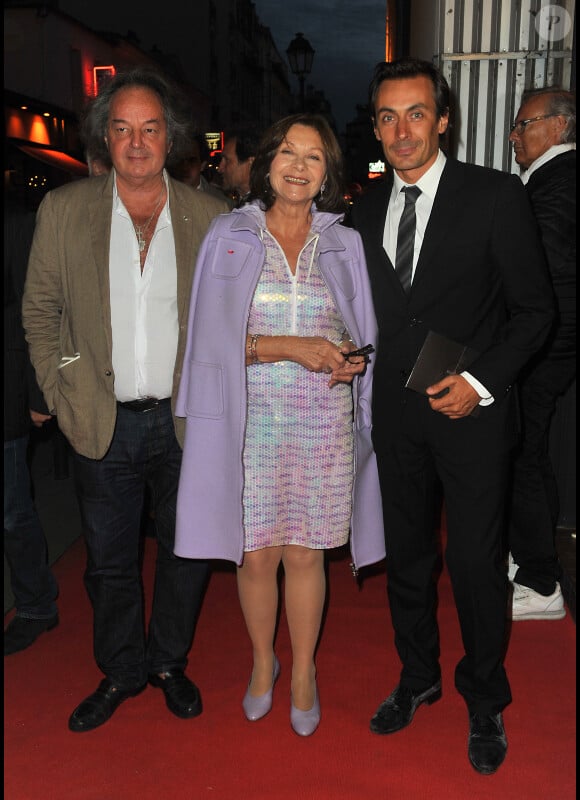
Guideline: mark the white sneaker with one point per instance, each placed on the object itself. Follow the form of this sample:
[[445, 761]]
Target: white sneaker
[[527, 604], [512, 567]]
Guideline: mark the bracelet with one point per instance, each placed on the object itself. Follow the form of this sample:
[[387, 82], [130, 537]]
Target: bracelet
[[253, 342]]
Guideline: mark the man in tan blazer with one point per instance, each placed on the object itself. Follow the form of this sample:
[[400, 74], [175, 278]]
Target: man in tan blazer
[[104, 311]]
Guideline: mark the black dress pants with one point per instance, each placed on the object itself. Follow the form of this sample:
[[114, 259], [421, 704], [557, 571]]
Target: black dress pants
[[470, 459], [535, 503]]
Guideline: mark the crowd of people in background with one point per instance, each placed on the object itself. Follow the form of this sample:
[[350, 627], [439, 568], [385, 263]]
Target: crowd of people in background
[[247, 375]]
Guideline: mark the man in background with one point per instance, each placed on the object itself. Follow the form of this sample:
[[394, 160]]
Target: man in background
[[544, 140], [238, 155], [98, 165], [32, 582], [191, 168]]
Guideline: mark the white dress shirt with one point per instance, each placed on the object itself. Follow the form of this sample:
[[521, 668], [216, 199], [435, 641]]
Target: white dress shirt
[[144, 318], [428, 183]]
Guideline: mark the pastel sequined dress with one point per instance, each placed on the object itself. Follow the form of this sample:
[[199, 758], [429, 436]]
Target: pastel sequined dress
[[298, 450]]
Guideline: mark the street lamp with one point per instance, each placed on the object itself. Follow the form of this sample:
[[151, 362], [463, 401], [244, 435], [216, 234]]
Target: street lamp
[[300, 55]]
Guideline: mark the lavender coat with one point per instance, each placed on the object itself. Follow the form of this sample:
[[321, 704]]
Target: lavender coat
[[212, 392]]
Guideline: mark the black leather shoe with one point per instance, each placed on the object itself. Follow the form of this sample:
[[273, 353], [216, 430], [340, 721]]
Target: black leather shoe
[[397, 711], [181, 695], [22, 632], [98, 707], [487, 744]]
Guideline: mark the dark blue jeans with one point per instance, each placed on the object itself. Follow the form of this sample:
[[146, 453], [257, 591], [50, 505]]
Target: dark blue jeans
[[144, 453], [32, 582]]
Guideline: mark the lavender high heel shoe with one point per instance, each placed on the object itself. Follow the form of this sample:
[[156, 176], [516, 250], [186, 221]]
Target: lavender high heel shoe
[[257, 707], [304, 723]]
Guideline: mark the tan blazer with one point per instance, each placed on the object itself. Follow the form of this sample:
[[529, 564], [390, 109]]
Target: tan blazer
[[66, 309]]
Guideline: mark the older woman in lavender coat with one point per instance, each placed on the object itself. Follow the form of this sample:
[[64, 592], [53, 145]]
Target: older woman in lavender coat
[[213, 395]]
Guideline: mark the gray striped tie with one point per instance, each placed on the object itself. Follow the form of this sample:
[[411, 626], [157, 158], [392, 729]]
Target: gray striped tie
[[406, 238]]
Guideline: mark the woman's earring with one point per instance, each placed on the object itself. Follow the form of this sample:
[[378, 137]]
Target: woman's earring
[[322, 188]]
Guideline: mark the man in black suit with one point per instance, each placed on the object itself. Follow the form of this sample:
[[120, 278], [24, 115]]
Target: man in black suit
[[544, 140], [479, 278]]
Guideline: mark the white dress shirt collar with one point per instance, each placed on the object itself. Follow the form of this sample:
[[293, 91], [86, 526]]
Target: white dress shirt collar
[[550, 153], [429, 181]]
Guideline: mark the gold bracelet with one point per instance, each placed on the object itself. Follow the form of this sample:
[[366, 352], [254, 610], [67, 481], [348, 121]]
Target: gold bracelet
[[253, 342]]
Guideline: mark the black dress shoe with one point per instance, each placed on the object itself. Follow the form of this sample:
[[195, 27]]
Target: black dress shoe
[[397, 711], [98, 707], [22, 632], [181, 695], [487, 744]]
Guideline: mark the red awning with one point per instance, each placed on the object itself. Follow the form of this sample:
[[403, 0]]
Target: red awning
[[57, 159]]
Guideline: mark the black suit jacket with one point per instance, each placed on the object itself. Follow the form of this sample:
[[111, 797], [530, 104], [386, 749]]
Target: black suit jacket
[[552, 190], [481, 279]]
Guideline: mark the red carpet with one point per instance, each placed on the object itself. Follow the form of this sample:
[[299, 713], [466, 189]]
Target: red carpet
[[146, 753]]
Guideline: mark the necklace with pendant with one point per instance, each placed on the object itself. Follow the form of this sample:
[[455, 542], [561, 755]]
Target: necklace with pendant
[[141, 230]]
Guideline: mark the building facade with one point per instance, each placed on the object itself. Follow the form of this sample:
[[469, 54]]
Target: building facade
[[53, 65]]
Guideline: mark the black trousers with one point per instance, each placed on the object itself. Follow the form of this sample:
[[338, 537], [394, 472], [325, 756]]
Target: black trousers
[[469, 460], [535, 503]]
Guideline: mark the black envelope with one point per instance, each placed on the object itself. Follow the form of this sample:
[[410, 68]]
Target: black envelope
[[439, 357]]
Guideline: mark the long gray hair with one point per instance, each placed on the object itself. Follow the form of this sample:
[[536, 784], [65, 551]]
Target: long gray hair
[[177, 113]]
